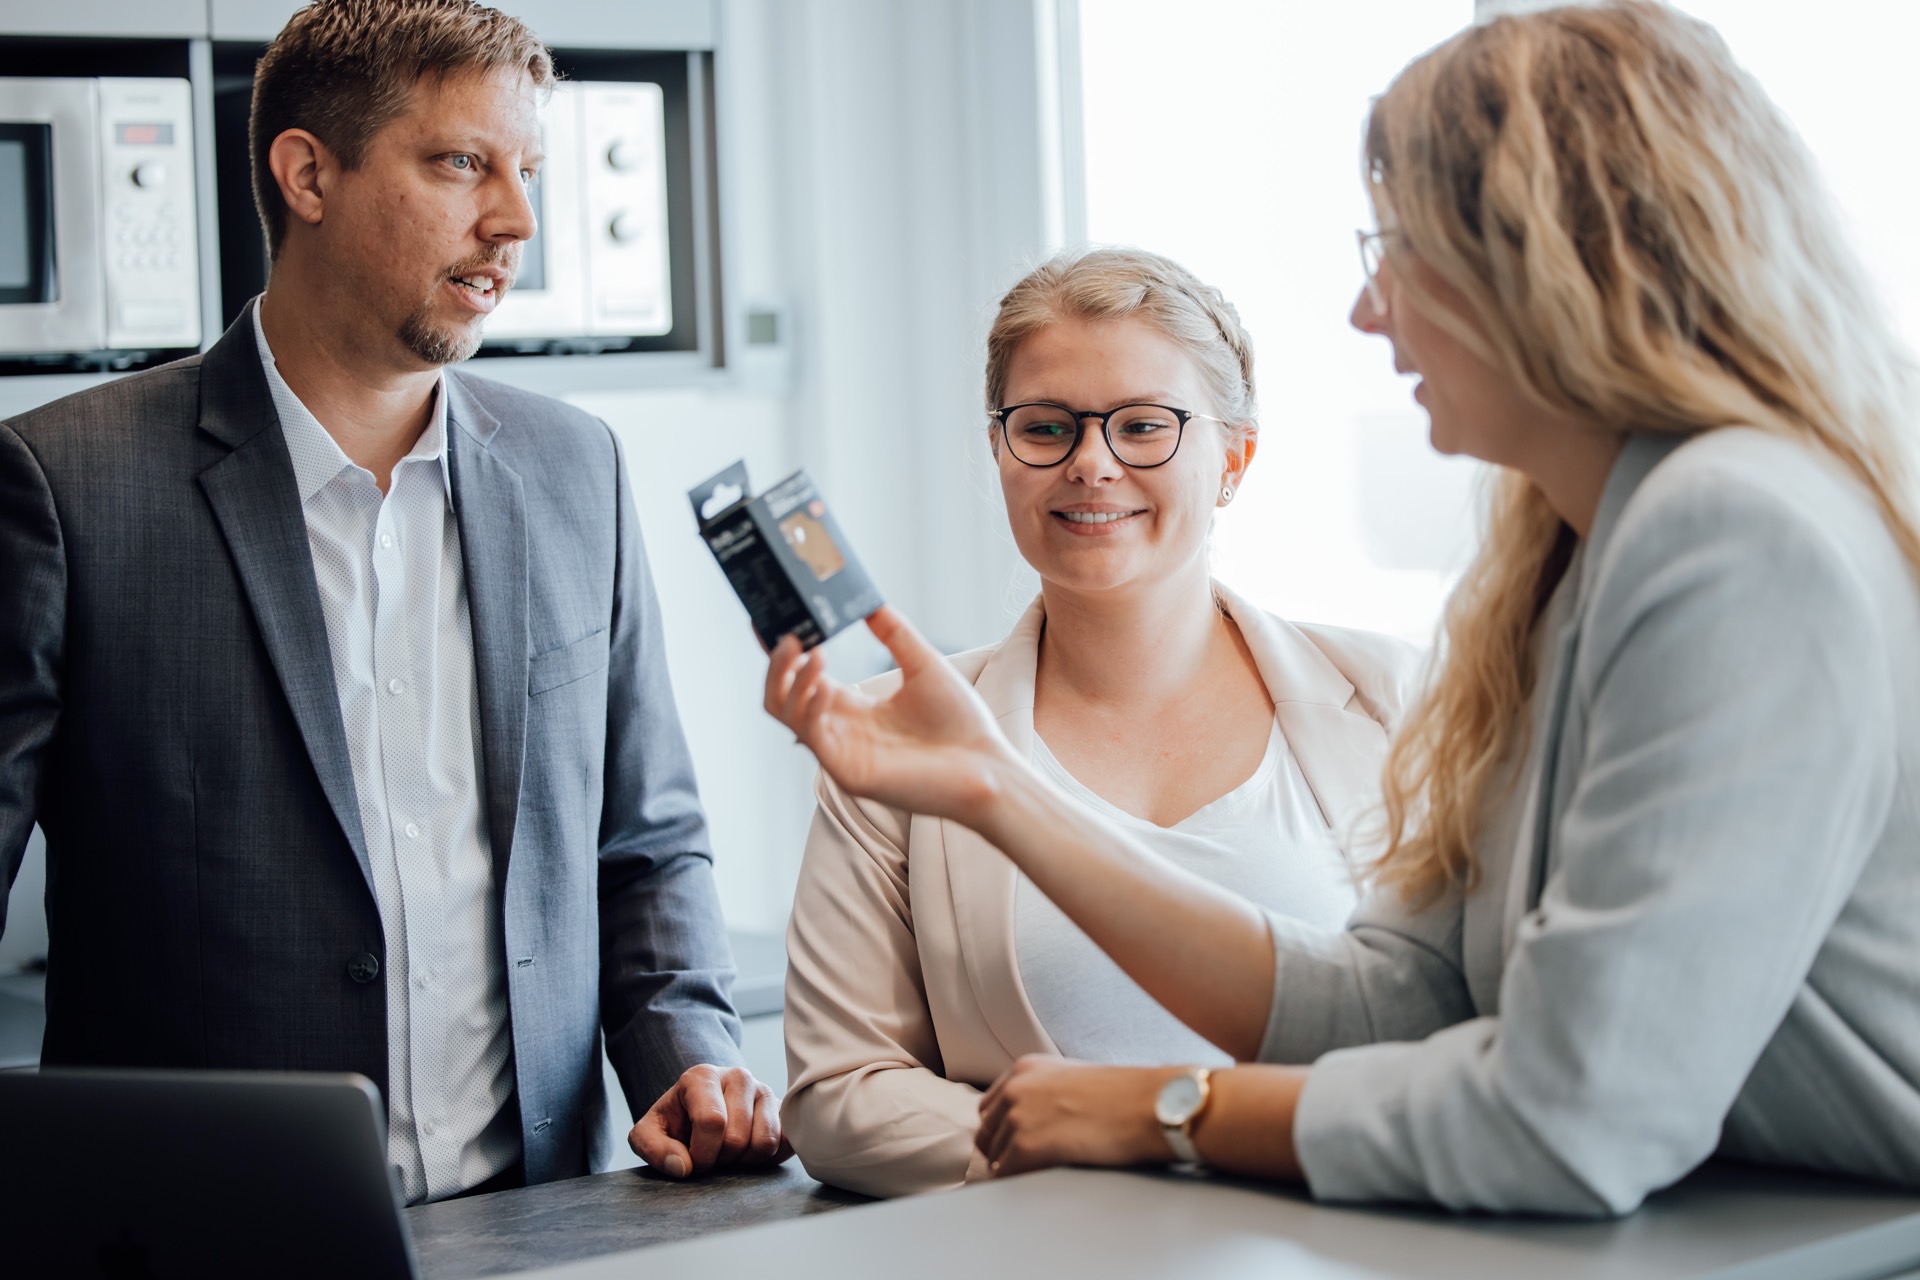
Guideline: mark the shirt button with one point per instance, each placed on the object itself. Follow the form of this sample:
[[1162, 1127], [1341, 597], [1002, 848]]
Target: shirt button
[[363, 968], [420, 981], [429, 1128], [413, 831], [386, 540], [395, 685]]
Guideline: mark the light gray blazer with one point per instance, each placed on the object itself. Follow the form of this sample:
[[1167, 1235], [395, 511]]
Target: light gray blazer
[[1706, 935]]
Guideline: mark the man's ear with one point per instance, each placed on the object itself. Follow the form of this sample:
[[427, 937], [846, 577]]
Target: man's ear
[[303, 169]]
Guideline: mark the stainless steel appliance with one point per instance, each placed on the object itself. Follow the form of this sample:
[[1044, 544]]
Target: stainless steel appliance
[[98, 231], [600, 264]]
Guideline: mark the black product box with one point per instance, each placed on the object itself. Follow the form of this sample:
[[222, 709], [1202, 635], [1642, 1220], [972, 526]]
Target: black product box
[[784, 555]]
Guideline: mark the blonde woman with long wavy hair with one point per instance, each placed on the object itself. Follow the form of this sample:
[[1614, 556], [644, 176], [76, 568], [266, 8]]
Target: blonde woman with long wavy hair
[[1650, 881]]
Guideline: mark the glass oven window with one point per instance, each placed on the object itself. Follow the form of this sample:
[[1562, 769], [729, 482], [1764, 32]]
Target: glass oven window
[[26, 213]]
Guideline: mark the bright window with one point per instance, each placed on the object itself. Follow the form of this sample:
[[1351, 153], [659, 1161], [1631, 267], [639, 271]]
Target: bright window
[[1227, 135]]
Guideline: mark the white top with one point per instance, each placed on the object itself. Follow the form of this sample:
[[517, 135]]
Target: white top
[[1265, 840], [393, 589]]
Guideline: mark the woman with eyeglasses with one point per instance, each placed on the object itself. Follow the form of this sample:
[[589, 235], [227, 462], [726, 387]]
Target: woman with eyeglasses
[[1229, 744], [1650, 887]]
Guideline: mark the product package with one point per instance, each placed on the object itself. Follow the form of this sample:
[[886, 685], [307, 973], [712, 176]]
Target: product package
[[784, 555]]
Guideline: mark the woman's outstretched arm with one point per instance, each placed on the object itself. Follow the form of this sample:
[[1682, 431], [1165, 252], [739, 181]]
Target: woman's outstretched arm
[[932, 747]]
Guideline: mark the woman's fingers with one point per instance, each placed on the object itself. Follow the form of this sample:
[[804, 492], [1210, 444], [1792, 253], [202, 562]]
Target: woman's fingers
[[781, 661], [891, 628]]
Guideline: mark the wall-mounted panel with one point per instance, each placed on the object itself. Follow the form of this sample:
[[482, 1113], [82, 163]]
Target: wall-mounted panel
[[121, 19], [579, 24], [620, 24]]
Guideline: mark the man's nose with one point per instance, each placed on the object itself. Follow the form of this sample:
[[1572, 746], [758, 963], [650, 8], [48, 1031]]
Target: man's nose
[[511, 217]]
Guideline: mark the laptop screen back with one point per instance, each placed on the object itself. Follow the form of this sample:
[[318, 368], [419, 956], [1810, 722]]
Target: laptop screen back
[[136, 1173]]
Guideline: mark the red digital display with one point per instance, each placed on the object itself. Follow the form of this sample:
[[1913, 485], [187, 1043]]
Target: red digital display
[[143, 135]]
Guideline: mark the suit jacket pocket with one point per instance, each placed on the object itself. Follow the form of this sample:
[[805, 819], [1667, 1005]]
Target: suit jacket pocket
[[568, 663]]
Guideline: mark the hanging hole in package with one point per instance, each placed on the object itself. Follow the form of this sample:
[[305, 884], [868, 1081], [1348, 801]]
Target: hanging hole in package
[[784, 555]]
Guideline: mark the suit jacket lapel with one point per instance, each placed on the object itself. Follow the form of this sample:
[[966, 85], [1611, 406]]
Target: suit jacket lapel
[[490, 508], [257, 504], [980, 878]]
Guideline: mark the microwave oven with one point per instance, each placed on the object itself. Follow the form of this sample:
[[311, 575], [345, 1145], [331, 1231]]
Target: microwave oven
[[99, 234], [599, 267]]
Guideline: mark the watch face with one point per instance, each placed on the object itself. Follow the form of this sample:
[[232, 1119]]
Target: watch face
[[1179, 1099]]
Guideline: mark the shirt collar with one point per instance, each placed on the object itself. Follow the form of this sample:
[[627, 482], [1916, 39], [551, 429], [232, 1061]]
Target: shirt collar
[[317, 456]]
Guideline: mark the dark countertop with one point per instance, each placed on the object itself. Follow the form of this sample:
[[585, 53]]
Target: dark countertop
[[579, 1218]]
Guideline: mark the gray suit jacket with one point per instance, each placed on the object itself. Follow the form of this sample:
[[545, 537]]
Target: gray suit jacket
[[168, 714], [1702, 931]]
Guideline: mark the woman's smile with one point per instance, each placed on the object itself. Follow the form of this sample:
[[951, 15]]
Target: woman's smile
[[1095, 519]]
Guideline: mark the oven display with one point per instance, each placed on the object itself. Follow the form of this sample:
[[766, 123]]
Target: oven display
[[143, 135]]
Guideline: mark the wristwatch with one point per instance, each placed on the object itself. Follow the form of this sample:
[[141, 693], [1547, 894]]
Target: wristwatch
[[1180, 1103]]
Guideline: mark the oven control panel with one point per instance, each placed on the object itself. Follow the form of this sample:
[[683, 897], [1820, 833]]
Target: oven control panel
[[150, 245]]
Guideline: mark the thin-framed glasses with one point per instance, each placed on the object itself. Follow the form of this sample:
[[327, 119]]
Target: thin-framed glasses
[[1139, 435], [1373, 254]]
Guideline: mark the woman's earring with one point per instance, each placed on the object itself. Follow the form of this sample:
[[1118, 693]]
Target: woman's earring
[[1226, 493]]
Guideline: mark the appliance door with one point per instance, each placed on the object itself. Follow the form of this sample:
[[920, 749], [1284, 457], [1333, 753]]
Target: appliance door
[[549, 298], [52, 295], [147, 203], [623, 128]]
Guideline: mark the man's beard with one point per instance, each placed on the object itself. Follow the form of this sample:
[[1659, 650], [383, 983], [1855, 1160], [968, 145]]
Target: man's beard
[[448, 345], [454, 343]]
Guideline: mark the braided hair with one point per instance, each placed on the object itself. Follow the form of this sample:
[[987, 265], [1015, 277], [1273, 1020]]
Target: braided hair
[[1118, 283]]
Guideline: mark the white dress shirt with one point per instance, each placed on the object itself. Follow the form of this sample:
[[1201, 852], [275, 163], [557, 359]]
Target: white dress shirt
[[393, 589], [1265, 841]]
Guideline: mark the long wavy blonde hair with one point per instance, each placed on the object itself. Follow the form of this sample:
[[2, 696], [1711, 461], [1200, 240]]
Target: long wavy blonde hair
[[1642, 241]]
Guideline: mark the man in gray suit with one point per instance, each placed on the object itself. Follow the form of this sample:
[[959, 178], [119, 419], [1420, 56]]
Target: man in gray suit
[[335, 677]]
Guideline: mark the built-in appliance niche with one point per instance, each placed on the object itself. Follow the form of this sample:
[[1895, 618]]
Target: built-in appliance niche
[[626, 255], [104, 265]]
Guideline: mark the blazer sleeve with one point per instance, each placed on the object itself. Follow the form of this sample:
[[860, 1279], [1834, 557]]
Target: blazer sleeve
[[1739, 758], [868, 1106], [33, 586], [1391, 974], [666, 967]]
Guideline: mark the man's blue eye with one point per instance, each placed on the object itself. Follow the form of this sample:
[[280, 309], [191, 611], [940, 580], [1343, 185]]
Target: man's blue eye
[[460, 162]]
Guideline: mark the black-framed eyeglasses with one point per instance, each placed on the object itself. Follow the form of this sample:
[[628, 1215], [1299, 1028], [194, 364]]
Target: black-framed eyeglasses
[[1139, 435]]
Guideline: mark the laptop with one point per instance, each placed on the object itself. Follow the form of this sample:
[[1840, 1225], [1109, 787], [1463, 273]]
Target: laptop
[[136, 1174]]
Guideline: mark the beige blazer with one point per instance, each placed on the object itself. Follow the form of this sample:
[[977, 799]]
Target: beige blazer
[[904, 997]]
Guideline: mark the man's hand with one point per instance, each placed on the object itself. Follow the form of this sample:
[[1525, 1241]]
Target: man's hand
[[712, 1117]]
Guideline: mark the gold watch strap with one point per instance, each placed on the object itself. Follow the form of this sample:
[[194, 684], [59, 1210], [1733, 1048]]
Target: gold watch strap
[[1180, 1136]]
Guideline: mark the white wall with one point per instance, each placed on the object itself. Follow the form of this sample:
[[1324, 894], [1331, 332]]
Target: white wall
[[884, 178]]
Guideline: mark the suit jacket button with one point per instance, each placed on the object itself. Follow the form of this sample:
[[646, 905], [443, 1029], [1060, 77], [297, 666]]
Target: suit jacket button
[[364, 967]]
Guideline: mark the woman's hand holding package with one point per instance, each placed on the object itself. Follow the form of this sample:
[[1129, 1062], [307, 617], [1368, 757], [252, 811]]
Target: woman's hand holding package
[[928, 747]]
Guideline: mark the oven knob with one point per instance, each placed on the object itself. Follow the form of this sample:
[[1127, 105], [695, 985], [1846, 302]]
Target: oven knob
[[624, 154], [625, 227], [150, 174]]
